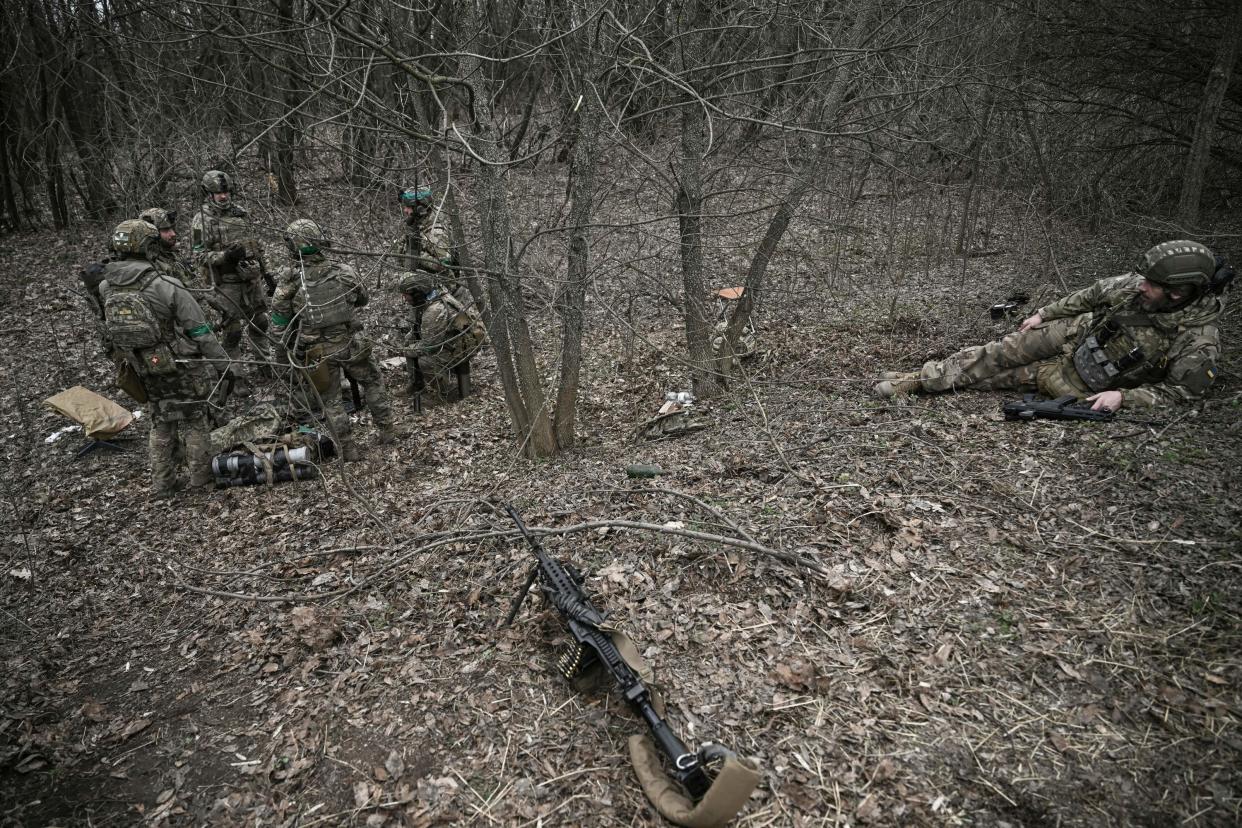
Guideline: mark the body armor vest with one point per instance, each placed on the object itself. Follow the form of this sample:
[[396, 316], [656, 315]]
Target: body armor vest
[[323, 299], [1123, 350], [217, 233]]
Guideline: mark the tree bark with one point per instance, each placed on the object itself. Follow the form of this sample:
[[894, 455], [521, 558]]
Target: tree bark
[[688, 201], [1205, 125], [571, 302], [779, 223], [509, 328]]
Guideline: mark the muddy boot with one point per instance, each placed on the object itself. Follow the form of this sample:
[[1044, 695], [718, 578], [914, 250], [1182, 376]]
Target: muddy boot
[[388, 433], [349, 452], [167, 492], [899, 384]]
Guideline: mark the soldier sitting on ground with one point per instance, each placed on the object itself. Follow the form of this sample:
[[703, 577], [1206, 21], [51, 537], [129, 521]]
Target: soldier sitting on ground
[[159, 336], [319, 297], [1146, 338]]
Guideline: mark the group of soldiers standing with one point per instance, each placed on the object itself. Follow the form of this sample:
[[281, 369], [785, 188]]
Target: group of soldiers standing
[[166, 348]]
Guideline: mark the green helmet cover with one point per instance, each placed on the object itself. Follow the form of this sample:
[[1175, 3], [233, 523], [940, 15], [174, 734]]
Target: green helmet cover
[[412, 195], [1178, 264]]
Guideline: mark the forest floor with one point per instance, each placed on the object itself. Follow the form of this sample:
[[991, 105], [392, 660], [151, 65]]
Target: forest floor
[[1019, 624]]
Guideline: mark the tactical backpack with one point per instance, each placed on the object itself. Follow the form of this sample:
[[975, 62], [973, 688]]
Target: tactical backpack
[[134, 328], [130, 320], [327, 298]]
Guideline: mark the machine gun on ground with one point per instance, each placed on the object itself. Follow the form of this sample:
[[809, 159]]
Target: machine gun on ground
[[709, 785]]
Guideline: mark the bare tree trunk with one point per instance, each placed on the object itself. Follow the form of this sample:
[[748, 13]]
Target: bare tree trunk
[[779, 222], [1205, 125], [572, 300], [689, 205], [283, 159], [509, 329]]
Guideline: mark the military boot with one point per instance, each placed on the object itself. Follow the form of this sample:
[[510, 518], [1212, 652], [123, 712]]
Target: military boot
[[388, 433], [899, 384], [349, 452]]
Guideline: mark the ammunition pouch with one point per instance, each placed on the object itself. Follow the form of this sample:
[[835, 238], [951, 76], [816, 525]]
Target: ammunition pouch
[[1097, 369], [127, 380], [318, 369], [730, 789]]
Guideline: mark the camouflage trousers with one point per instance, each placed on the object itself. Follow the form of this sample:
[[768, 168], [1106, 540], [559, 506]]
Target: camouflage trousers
[[450, 336], [179, 430], [1038, 359], [243, 309], [354, 359]]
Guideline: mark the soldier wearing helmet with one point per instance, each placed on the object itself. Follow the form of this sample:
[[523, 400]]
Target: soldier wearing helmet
[[318, 298], [444, 329], [165, 258], [166, 353], [1146, 338], [229, 259]]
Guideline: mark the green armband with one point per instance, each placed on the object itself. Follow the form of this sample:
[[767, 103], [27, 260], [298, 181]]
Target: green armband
[[201, 330], [279, 319]]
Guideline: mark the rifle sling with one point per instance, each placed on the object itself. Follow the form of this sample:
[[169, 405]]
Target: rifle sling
[[730, 789]]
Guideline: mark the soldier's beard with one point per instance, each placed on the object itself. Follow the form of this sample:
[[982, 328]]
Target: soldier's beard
[[1163, 304]]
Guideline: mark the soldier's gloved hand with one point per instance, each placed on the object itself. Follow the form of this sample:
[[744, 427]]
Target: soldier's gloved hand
[[234, 253]]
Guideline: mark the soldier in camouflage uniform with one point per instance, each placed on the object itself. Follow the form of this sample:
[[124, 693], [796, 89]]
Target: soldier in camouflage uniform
[[230, 261], [443, 332], [158, 331], [166, 260], [1143, 339], [319, 297]]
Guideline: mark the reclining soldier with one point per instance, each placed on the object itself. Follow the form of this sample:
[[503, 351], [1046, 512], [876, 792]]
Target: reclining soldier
[[158, 335], [316, 298], [1146, 338]]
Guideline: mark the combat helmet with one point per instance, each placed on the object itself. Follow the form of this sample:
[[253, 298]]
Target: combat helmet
[[1178, 264], [304, 237], [161, 218], [412, 196], [134, 237], [215, 181]]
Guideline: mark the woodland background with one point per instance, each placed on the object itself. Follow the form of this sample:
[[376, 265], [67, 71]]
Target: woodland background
[[939, 619]]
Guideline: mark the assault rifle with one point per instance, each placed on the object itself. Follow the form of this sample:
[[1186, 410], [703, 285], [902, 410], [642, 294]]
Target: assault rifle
[[1062, 408], [716, 782]]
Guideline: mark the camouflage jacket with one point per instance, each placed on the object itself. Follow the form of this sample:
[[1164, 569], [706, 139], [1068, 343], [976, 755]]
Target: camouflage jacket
[[320, 297], [167, 263], [214, 228], [189, 334], [1174, 352], [425, 246]]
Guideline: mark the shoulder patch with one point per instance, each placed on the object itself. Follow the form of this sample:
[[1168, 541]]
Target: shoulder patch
[[1200, 378]]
